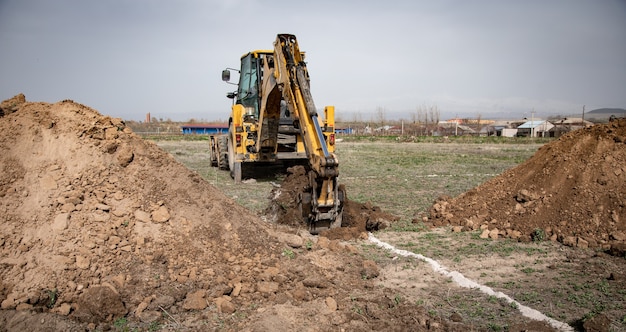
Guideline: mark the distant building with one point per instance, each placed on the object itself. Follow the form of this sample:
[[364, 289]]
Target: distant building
[[566, 125], [204, 129], [536, 128], [389, 130], [346, 131], [452, 129]]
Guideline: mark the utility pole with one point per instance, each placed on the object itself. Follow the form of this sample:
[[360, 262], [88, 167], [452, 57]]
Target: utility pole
[[532, 123], [583, 116]]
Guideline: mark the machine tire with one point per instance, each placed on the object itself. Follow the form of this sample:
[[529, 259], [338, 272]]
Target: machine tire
[[222, 154], [236, 172], [213, 151], [234, 166]]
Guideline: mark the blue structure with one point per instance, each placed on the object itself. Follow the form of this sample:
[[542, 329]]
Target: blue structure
[[344, 130], [204, 129]]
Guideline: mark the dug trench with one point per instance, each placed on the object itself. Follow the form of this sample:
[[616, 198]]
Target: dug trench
[[357, 220]]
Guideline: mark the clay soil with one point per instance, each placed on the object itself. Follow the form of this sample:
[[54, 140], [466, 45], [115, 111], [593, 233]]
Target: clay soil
[[102, 230], [357, 218], [572, 190]]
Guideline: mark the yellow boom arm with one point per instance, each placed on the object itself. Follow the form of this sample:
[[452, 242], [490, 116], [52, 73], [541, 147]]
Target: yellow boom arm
[[292, 77]]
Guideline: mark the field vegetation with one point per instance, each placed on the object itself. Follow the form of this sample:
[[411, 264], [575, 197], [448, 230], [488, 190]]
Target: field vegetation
[[403, 176]]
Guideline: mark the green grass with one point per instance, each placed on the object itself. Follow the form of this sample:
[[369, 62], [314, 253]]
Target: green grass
[[441, 139], [404, 179]]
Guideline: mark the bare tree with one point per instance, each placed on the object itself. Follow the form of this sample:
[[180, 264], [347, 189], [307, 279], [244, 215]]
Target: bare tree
[[434, 114], [380, 116], [422, 119], [413, 117], [356, 117]]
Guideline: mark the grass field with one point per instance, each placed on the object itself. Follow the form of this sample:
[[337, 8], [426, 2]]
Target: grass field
[[404, 178], [401, 178]]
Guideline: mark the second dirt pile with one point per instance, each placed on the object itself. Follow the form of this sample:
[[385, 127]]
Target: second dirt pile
[[573, 190]]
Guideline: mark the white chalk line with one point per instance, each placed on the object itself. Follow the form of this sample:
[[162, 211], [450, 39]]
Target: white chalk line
[[419, 176], [467, 283]]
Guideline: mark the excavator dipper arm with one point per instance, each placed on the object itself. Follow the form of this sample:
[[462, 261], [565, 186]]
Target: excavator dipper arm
[[322, 201]]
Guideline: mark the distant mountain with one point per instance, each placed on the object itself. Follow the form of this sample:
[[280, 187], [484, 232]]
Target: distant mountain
[[609, 111]]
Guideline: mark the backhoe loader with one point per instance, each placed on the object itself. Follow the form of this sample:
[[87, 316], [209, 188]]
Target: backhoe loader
[[274, 119]]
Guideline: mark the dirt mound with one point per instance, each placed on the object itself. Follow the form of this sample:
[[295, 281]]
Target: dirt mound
[[11, 105], [573, 190], [97, 224], [86, 203], [358, 219]]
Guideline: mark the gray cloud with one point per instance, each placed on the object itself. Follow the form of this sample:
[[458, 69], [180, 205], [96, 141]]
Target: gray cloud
[[127, 58]]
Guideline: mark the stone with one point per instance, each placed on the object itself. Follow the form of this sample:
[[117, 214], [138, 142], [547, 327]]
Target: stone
[[336, 245], [161, 215], [23, 306], [141, 307], [514, 234], [142, 216], [164, 301], [267, 287], [300, 294], [582, 243], [125, 155], [494, 233], [323, 242], [291, 240], [150, 316], [484, 234], [8, 303], [618, 236], [111, 133], [455, 317], [224, 305], [236, 289], [60, 222], [525, 196], [369, 270], [195, 300], [597, 323], [331, 304], [82, 262], [98, 304], [569, 241], [102, 207], [100, 216], [63, 309]]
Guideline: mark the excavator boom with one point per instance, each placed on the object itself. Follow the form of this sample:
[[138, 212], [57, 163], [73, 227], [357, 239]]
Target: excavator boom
[[275, 119], [293, 79]]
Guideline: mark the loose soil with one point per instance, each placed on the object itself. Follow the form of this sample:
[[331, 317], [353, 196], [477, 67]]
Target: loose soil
[[573, 190], [357, 220], [101, 229]]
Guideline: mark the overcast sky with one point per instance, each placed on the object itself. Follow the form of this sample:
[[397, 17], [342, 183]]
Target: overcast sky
[[490, 58]]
